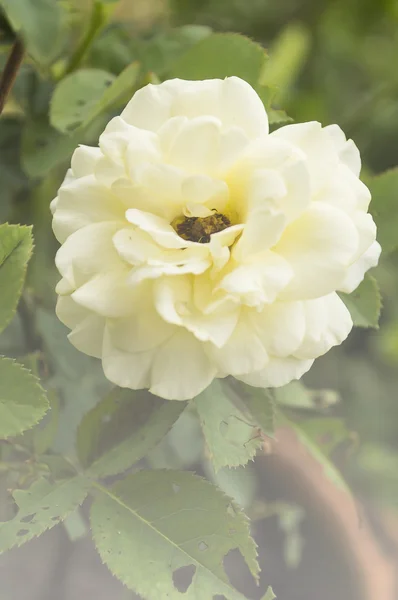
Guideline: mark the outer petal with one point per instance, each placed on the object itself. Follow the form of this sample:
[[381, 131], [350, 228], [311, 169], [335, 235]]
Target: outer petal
[[346, 149], [280, 327], [319, 246], [87, 328], [356, 272], [278, 372], [126, 369], [328, 323], [181, 369], [84, 160], [242, 353]]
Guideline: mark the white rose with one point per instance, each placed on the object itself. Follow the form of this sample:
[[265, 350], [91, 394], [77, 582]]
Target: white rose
[[197, 245]]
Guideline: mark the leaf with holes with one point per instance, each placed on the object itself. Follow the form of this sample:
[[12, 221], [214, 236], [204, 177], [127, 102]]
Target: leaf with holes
[[16, 244], [364, 303], [164, 521], [122, 429], [76, 96], [222, 55], [230, 436], [384, 208], [22, 400], [41, 25], [41, 507]]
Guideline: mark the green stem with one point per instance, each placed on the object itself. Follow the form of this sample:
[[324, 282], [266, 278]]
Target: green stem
[[97, 21]]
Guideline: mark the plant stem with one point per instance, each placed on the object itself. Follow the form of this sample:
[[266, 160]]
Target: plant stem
[[96, 23], [10, 71]]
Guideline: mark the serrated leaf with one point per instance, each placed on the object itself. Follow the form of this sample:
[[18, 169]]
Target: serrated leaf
[[364, 303], [40, 22], [122, 429], [22, 400], [231, 439], [384, 208], [16, 244], [41, 507], [121, 89], [76, 96], [269, 595], [160, 521], [44, 435], [318, 453], [261, 405], [222, 55]]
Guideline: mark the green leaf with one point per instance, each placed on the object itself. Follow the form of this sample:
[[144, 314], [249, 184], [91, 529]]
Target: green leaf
[[122, 429], [239, 483], [16, 244], [161, 521], [231, 438], [384, 208], [22, 400], [364, 303], [76, 97], [278, 117], [296, 395], [40, 22], [41, 507], [45, 434], [120, 91], [269, 595], [43, 148], [261, 405], [222, 55], [319, 453]]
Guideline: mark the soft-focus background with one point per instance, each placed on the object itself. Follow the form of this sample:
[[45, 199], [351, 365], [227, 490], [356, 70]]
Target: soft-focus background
[[334, 61]]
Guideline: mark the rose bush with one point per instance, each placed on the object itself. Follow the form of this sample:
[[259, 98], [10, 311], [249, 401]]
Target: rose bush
[[197, 245]]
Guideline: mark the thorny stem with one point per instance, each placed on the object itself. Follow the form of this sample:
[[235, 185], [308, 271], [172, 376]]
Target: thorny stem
[[10, 71]]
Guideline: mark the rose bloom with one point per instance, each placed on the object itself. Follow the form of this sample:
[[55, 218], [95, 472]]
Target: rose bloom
[[195, 244]]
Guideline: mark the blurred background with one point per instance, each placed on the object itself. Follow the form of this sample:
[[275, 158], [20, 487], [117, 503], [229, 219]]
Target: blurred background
[[334, 61]]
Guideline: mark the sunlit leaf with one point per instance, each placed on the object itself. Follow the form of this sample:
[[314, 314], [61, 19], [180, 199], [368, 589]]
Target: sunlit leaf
[[16, 244], [161, 521], [22, 400]]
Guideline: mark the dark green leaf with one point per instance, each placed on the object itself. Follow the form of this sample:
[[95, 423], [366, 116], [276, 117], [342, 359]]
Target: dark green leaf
[[384, 208], [40, 22], [364, 303], [122, 428], [16, 244]]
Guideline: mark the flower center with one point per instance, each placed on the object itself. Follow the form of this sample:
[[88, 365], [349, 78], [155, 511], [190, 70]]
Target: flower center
[[199, 229]]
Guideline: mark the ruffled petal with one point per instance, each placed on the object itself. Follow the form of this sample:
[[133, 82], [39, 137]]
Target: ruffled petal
[[181, 370], [356, 272], [328, 323], [280, 327], [278, 372]]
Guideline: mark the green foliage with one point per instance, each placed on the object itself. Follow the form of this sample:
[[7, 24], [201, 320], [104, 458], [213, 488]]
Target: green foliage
[[230, 438], [76, 97], [16, 244], [41, 507], [261, 405], [364, 303], [22, 400], [222, 55], [384, 208], [41, 24], [122, 429], [161, 521]]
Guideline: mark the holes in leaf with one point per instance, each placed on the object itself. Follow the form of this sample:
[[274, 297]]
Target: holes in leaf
[[202, 546], [73, 125], [41, 143], [22, 532], [45, 508], [219, 597], [57, 518], [28, 518], [182, 578], [176, 488], [80, 102], [238, 572]]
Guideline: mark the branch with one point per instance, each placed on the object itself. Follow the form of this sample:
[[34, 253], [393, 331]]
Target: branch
[[10, 71]]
